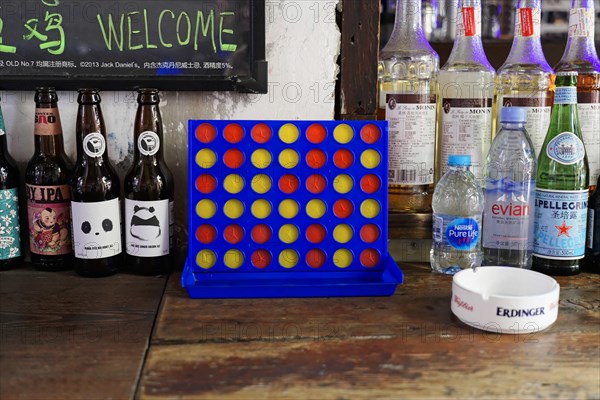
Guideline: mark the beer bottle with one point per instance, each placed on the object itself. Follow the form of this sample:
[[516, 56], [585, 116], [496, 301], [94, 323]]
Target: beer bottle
[[47, 187], [95, 193], [562, 187], [148, 193], [10, 241]]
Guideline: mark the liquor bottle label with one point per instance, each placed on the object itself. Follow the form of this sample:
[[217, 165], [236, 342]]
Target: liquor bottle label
[[565, 95], [588, 108], [147, 227], [581, 22], [539, 111], [466, 129], [148, 143], [507, 215], [560, 223], [461, 233], [590, 232], [528, 22], [469, 22], [411, 132], [10, 242], [96, 229], [94, 144], [566, 148], [49, 217], [47, 122]]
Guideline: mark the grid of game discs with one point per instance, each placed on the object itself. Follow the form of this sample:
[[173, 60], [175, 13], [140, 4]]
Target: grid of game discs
[[288, 209]]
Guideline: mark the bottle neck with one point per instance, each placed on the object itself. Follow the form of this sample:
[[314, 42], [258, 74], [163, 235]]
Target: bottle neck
[[148, 134], [89, 120], [408, 28], [513, 126], [468, 47], [48, 137], [526, 46], [580, 43]]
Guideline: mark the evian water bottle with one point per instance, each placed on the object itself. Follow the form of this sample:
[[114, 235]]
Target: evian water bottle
[[457, 215]]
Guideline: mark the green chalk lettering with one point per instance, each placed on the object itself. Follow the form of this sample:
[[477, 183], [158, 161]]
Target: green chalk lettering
[[5, 48], [189, 29], [160, 35], [209, 24], [133, 32], [112, 32], [148, 44], [225, 46]]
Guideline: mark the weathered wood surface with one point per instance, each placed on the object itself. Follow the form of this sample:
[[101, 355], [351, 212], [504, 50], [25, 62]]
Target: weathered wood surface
[[66, 337], [406, 346]]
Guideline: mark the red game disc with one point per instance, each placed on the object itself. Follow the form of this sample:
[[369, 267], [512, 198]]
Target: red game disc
[[316, 158], [233, 158], [261, 133], [369, 233], [343, 208], [316, 183], [370, 134], [233, 133], [206, 234], [343, 158], [288, 183], [315, 258], [316, 133], [206, 183], [370, 183], [261, 233], [233, 233], [369, 258], [261, 258], [206, 133], [315, 233]]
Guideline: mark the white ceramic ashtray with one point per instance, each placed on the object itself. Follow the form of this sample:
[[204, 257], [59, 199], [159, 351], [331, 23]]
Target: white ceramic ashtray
[[505, 299]]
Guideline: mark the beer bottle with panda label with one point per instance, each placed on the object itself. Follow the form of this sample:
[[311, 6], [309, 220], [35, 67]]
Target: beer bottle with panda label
[[95, 190], [149, 193]]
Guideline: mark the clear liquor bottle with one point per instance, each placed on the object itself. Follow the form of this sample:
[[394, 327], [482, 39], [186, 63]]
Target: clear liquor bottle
[[580, 56], [466, 91], [525, 79], [407, 77]]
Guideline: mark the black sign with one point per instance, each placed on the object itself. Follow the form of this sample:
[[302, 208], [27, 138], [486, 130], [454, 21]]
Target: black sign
[[123, 44]]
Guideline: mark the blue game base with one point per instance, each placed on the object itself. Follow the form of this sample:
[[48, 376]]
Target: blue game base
[[203, 285]]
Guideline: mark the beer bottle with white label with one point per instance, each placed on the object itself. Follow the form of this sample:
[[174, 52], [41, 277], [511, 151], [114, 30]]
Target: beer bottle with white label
[[148, 193], [95, 191], [47, 186]]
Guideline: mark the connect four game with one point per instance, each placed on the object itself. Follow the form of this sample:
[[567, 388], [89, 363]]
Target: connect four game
[[288, 209]]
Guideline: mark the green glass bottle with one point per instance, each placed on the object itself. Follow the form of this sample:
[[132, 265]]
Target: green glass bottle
[[562, 187]]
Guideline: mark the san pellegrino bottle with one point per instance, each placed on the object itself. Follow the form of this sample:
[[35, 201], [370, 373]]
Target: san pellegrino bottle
[[407, 75], [95, 192], [10, 241], [510, 171], [525, 79], [466, 91], [580, 56], [592, 243], [47, 186], [149, 193], [562, 187]]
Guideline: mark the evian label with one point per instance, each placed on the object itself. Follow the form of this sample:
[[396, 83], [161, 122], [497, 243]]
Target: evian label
[[566, 148], [47, 122], [581, 22], [528, 22], [470, 22], [94, 144], [148, 143]]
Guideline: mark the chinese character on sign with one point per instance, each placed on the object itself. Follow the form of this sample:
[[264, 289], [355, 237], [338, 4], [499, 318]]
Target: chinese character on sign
[[54, 21]]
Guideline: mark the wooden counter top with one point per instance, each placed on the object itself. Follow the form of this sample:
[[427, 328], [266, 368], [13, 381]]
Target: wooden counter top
[[67, 337]]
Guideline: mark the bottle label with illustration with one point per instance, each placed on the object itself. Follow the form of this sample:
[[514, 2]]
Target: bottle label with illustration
[[10, 241], [411, 132], [94, 144], [581, 22], [565, 95], [588, 108], [49, 217], [528, 22], [507, 215], [469, 22], [96, 229], [466, 129], [566, 148], [539, 111], [462, 233], [147, 227], [560, 224], [47, 122], [148, 143]]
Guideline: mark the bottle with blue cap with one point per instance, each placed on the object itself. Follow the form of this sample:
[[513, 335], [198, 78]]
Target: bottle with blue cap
[[510, 171], [457, 217]]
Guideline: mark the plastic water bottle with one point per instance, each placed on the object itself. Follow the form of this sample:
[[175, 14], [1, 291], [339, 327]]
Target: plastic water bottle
[[457, 216], [509, 173]]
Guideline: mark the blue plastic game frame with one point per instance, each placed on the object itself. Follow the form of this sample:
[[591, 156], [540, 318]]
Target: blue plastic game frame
[[329, 280]]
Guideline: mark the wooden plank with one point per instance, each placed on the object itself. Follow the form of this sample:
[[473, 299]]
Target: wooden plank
[[67, 337]]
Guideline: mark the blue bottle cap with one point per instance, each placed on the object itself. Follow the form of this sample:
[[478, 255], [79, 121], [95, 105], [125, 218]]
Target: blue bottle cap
[[459, 160], [513, 114]]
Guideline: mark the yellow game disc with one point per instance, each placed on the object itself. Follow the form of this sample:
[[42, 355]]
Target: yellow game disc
[[206, 259], [288, 258], [370, 208], [233, 208], [316, 208], [342, 233], [206, 208], [233, 183], [288, 208], [343, 133], [288, 158], [233, 259], [261, 158], [288, 233], [370, 158], [261, 208], [342, 258], [289, 133], [206, 158], [343, 183], [261, 183]]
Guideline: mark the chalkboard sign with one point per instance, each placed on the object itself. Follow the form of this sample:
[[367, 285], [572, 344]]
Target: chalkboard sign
[[122, 44]]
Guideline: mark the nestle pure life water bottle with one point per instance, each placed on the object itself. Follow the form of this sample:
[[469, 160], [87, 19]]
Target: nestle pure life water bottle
[[457, 215]]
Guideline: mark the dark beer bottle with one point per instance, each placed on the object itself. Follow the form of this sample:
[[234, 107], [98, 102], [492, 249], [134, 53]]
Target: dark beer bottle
[[148, 193], [10, 241], [95, 193], [47, 187]]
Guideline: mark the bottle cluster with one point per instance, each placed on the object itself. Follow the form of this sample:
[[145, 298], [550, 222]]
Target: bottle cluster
[[76, 216]]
